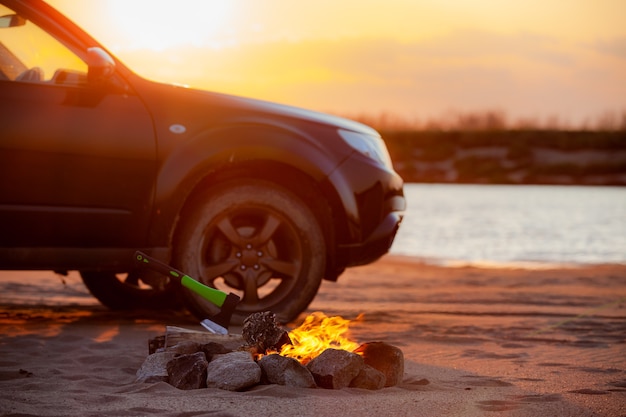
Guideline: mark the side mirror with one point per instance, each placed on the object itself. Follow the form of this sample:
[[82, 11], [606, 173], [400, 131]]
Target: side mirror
[[11, 21], [101, 65]]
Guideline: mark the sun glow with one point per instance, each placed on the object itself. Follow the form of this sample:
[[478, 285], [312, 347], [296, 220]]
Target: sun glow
[[420, 59], [158, 25]]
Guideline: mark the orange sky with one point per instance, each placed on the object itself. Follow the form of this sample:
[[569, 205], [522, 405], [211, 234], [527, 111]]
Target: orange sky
[[420, 59]]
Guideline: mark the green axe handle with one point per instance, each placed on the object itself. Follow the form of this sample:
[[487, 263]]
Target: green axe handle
[[217, 297]]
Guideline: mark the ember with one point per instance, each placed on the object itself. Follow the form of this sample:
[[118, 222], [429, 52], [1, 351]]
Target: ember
[[315, 335]]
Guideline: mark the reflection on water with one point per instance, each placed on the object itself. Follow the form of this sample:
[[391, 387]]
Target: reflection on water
[[513, 224]]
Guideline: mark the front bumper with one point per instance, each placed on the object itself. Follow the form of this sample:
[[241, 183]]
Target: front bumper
[[376, 245], [372, 198]]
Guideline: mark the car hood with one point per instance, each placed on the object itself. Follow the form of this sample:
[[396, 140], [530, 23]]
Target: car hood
[[226, 108], [293, 112]]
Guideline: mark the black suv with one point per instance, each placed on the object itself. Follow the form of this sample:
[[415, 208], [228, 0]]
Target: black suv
[[251, 197]]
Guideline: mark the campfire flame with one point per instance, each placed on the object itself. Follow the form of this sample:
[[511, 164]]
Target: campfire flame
[[316, 334]]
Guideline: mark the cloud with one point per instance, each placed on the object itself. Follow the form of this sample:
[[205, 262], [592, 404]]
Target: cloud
[[615, 47], [524, 75]]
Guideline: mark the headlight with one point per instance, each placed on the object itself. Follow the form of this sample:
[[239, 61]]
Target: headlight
[[369, 145]]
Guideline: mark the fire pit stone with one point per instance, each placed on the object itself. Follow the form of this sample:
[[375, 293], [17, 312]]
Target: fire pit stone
[[188, 371], [387, 358], [212, 348], [233, 371], [335, 368], [154, 367], [282, 370], [369, 378]]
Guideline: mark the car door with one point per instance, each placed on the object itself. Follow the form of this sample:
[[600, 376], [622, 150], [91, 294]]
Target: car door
[[77, 160]]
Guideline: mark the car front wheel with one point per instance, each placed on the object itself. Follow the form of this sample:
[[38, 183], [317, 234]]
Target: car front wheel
[[254, 239]]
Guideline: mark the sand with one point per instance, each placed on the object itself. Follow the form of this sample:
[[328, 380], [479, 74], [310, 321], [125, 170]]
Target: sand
[[477, 342]]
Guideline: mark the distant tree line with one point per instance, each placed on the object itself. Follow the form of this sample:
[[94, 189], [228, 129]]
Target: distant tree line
[[509, 156], [491, 120]]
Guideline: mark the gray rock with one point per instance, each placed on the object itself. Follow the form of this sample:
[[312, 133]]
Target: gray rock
[[335, 368], [188, 371], [285, 371], [211, 349], [386, 358], [369, 378], [233, 371], [154, 367]]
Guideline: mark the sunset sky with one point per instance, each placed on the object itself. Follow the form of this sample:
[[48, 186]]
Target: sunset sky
[[540, 60]]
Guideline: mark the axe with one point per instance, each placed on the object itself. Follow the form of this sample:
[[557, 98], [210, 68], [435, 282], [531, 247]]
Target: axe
[[227, 302]]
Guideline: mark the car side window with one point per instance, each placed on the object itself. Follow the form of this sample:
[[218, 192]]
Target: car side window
[[31, 55]]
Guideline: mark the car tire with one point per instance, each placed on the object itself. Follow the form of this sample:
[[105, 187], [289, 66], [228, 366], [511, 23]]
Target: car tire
[[257, 240], [129, 292]]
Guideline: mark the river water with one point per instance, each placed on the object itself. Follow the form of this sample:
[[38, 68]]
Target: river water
[[501, 224]]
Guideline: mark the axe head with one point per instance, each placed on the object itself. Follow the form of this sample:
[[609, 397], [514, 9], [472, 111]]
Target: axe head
[[219, 323]]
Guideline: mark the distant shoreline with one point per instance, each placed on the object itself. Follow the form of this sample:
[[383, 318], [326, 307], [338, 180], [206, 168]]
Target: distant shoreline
[[537, 157], [400, 258]]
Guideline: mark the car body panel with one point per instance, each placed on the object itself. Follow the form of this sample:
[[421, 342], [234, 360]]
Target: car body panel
[[77, 166], [91, 173]]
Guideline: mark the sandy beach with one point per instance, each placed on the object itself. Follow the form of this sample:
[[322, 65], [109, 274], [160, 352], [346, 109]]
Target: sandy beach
[[476, 341]]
